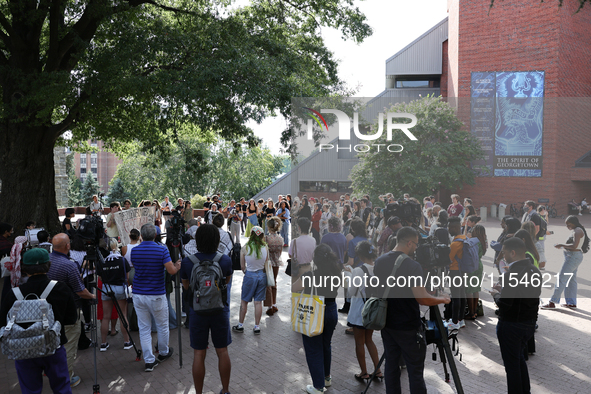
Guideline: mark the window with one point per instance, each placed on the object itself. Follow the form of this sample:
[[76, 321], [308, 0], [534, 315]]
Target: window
[[417, 82], [93, 142], [82, 155], [83, 160], [324, 186], [82, 171], [94, 170], [93, 160]]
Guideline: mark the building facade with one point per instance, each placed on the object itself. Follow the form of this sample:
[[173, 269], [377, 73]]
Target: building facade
[[101, 164], [518, 74]]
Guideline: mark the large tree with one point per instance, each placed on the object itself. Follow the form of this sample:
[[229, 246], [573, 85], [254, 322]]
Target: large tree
[[123, 70]]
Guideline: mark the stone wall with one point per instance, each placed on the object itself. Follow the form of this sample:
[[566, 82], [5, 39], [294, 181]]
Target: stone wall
[[61, 176]]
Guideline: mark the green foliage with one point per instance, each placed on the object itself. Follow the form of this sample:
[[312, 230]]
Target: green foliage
[[197, 166], [197, 201], [439, 159], [74, 183], [125, 71], [117, 191], [90, 187]]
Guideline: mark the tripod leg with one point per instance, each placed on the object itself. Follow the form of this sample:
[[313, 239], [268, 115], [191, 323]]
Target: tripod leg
[[436, 315], [374, 373], [443, 360]]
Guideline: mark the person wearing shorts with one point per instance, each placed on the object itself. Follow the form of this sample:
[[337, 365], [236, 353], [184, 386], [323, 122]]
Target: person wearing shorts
[[207, 239], [114, 275], [254, 285]]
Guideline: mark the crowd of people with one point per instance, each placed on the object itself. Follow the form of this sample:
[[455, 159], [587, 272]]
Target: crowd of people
[[350, 237]]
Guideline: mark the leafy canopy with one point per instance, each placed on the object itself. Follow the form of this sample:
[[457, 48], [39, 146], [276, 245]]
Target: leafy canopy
[[439, 159]]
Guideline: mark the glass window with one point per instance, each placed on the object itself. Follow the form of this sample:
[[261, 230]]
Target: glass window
[[93, 160], [82, 160], [418, 83], [83, 170], [94, 170], [324, 186]]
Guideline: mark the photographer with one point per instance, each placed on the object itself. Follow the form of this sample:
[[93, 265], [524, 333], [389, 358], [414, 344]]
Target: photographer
[[404, 329]]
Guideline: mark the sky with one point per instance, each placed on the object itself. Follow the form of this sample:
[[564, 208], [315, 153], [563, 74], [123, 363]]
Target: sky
[[395, 24]]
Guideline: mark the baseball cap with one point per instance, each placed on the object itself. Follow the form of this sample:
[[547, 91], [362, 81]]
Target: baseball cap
[[36, 256]]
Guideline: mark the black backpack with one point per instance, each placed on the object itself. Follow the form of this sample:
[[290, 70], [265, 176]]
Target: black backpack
[[235, 255], [442, 235]]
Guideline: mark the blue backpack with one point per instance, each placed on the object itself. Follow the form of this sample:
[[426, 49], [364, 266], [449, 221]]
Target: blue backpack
[[469, 261]]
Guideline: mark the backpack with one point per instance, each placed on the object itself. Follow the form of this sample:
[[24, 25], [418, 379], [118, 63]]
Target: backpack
[[31, 330], [375, 309], [235, 255], [208, 286], [469, 261], [543, 227]]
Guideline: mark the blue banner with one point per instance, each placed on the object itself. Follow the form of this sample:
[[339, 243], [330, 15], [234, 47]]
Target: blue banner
[[507, 111]]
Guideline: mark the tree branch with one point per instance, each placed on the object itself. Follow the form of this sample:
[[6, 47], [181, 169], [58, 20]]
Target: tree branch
[[71, 118]]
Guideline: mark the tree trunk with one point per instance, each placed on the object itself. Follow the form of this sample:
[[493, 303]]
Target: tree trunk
[[28, 177]]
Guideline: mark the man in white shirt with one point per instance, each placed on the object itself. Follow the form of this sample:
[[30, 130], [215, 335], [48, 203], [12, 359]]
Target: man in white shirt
[[166, 205], [225, 245]]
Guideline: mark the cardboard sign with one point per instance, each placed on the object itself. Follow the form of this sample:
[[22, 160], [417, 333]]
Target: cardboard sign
[[133, 218]]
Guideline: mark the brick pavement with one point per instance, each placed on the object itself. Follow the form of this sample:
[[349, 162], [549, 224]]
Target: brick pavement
[[274, 362]]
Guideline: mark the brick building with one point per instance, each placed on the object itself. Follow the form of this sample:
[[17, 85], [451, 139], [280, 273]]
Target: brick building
[[519, 75], [521, 37], [101, 164]]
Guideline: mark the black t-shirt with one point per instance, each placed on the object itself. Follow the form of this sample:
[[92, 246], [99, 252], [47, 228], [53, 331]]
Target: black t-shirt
[[270, 212], [325, 291], [113, 271], [244, 207], [68, 222], [403, 309], [207, 205], [537, 220], [305, 212]]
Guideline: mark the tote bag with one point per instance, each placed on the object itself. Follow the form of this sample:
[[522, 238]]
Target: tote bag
[[307, 313], [269, 271]]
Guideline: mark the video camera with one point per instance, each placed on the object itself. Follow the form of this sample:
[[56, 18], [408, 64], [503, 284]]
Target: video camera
[[409, 212], [432, 254]]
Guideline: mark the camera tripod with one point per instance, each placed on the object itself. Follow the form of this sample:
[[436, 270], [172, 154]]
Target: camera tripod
[[94, 260]]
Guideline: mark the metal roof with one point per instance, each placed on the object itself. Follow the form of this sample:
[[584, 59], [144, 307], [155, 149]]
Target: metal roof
[[423, 56]]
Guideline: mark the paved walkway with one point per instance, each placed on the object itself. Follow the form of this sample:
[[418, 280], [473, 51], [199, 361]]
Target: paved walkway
[[274, 362]]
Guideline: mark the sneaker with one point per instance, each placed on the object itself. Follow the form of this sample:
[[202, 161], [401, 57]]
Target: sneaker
[[568, 305], [327, 381], [150, 366], [162, 358], [127, 345], [223, 392], [451, 326], [104, 346], [75, 381], [548, 305], [256, 330], [313, 390], [462, 323], [238, 328], [87, 327]]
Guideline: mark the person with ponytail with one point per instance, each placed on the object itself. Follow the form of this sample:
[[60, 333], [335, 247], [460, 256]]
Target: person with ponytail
[[363, 337], [472, 292], [575, 246], [254, 285]]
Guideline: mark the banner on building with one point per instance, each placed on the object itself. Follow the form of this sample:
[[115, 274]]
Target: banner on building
[[507, 112], [133, 218]]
